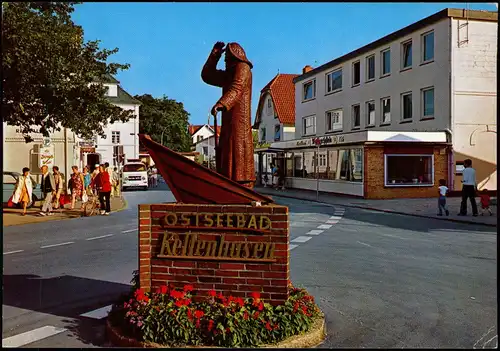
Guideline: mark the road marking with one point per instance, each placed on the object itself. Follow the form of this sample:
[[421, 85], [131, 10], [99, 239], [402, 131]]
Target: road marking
[[100, 313], [482, 337], [61, 244], [293, 247], [314, 232], [129, 231], [325, 226], [12, 252], [31, 336], [359, 242], [487, 342], [332, 221], [301, 239], [336, 217], [99, 237]]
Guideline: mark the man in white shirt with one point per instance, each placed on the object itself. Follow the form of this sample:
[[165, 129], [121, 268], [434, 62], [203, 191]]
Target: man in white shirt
[[468, 189]]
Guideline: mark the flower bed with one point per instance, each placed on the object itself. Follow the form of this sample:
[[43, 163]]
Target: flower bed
[[170, 317]]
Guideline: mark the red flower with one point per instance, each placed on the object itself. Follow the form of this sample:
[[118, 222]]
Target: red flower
[[198, 314], [256, 315], [138, 293], [221, 297], [261, 306], [276, 326], [212, 293], [268, 326], [240, 301], [245, 315], [163, 289], [188, 288], [190, 315], [210, 325], [198, 323], [182, 302], [296, 307], [228, 330], [177, 294], [304, 309], [256, 295]]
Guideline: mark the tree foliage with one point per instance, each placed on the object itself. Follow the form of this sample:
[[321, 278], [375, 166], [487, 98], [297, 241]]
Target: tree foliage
[[47, 71], [165, 116]]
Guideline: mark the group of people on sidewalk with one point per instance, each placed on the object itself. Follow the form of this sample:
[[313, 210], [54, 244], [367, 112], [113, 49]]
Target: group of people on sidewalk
[[103, 182], [277, 177], [469, 187]]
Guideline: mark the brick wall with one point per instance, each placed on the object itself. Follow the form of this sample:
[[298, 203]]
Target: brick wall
[[374, 172], [238, 278]]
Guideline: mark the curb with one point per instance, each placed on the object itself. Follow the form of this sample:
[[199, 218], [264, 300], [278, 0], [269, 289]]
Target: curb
[[388, 211], [312, 338], [124, 206]]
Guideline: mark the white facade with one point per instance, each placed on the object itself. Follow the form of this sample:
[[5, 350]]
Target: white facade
[[270, 128], [452, 87], [206, 147], [202, 133]]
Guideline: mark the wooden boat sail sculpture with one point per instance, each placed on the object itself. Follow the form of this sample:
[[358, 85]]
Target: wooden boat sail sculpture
[[193, 183]]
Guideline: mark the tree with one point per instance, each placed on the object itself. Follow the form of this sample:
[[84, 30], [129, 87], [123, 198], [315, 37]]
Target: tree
[[48, 71], [166, 121]]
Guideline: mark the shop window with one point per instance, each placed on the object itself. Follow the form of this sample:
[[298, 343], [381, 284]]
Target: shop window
[[298, 170], [333, 156], [309, 168], [345, 164], [409, 170]]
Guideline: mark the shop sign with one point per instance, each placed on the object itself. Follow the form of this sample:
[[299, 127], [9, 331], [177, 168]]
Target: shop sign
[[88, 150], [47, 155], [328, 140], [306, 142]]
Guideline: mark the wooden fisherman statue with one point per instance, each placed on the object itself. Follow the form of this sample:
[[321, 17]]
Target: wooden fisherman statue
[[234, 154]]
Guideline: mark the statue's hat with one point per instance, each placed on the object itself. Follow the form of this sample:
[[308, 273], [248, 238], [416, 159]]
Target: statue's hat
[[237, 51]]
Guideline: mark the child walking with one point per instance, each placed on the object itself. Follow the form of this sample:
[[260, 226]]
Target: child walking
[[443, 191], [485, 202]]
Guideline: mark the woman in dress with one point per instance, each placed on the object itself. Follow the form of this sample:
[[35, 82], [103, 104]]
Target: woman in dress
[[76, 186], [23, 193], [58, 178]]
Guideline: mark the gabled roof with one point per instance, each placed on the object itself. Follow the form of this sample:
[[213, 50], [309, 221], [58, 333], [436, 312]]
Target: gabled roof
[[194, 128], [123, 98], [282, 91], [107, 78]]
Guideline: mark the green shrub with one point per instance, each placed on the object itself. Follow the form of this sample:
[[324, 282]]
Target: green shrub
[[170, 317]]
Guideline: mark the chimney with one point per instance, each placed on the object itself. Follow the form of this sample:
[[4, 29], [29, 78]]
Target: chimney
[[306, 69]]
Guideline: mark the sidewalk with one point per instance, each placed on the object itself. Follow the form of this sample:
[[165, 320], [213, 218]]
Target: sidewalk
[[12, 216], [426, 207]]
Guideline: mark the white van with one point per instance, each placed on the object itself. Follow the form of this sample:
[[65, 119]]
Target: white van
[[134, 174]]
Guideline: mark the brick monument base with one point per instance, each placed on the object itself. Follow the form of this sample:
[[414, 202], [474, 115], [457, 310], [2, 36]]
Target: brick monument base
[[232, 249]]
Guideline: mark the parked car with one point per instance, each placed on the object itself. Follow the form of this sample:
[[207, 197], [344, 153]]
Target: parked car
[[9, 183], [134, 175]]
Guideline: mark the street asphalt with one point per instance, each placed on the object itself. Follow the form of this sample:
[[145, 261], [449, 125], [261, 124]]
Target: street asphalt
[[382, 280]]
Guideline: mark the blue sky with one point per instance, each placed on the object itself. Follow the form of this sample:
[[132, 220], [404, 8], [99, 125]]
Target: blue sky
[[167, 44]]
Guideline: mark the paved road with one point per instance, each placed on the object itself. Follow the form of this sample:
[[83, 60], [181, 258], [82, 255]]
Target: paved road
[[382, 280]]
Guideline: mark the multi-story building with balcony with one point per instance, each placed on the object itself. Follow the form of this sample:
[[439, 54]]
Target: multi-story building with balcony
[[395, 116]]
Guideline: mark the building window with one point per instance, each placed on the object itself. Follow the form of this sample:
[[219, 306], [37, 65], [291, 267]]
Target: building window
[[263, 134], [370, 68], [407, 106], [409, 170], [370, 113], [428, 103], [386, 62], [356, 119], [269, 107], [309, 125], [309, 90], [115, 137], [386, 110], [205, 150], [344, 164], [269, 103], [334, 120], [406, 54], [277, 132], [428, 47], [322, 160], [334, 81], [199, 138], [356, 73]]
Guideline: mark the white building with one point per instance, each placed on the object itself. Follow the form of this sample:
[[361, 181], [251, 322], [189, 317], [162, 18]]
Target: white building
[[66, 149], [122, 140], [201, 131], [206, 148], [435, 75], [274, 119]]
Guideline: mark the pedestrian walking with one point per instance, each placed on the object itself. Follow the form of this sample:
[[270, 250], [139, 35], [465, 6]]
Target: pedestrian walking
[[155, 177], [485, 202], [86, 180], [23, 192], [59, 181], [48, 187], [443, 192], [77, 182], [103, 184], [115, 179], [468, 189]]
